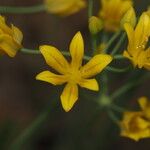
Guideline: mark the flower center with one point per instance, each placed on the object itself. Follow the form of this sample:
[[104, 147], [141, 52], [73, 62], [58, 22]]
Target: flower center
[[74, 76]]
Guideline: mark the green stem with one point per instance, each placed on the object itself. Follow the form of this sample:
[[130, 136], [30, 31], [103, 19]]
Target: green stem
[[110, 42], [90, 8], [116, 48], [118, 70], [22, 10], [128, 87], [94, 44], [113, 117], [93, 37], [30, 51], [87, 58], [119, 57], [117, 108], [37, 52], [31, 130]]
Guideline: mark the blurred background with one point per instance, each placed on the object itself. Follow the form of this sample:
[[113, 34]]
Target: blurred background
[[22, 98]]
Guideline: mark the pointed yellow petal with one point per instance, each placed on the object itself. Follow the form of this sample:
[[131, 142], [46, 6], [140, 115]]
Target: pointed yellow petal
[[4, 26], [54, 58], [90, 84], [142, 31], [77, 50], [50, 77], [17, 34], [95, 65], [130, 32], [8, 45], [69, 96]]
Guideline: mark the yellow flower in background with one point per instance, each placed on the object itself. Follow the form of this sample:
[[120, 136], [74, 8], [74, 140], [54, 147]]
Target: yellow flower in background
[[10, 38], [137, 50], [112, 11], [64, 7], [129, 17], [136, 125], [73, 73]]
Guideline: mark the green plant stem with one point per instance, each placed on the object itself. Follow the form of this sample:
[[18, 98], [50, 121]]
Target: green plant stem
[[94, 43], [37, 52], [117, 57], [31, 130], [90, 8], [113, 117], [116, 48], [110, 42], [93, 37], [128, 87], [117, 108], [22, 10], [118, 70]]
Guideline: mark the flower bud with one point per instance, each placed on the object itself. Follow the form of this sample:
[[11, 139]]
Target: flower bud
[[95, 25]]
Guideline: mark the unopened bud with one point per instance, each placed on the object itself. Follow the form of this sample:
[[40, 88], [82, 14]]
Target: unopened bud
[[95, 25]]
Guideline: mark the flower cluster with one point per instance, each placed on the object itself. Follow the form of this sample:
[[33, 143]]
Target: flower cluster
[[138, 40], [108, 30]]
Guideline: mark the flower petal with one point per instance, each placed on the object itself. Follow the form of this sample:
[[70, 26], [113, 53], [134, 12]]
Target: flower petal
[[142, 31], [69, 96], [54, 58], [130, 32], [90, 84], [8, 45], [50, 77], [95, 65], [17, 34], [77, 50]]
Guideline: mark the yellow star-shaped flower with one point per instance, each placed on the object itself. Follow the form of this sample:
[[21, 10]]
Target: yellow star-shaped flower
[[138, 40], [136, 125], [72, 73], [112, 11]]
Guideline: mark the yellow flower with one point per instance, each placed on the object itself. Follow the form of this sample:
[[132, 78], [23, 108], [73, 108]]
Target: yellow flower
[[10, 38], [138, 40], [64, 7], [72, 73], [136, 125], [112, 12]]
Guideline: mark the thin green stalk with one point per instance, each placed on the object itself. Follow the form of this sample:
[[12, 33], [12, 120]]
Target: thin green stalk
[[37, 52], [22, 10], [93, 37], [118, 70], [129, 86], [87, 58], [30, 131], [113, 117], [116, 48], [94, 43], [110, 42], [90, 8], [119, 57], [30, 51], [117, 108]]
